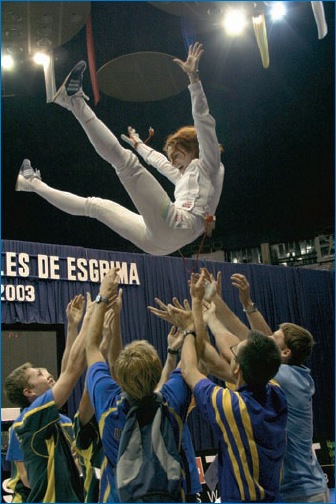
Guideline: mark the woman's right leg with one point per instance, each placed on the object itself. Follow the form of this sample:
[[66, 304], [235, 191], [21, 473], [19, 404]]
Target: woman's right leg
[[150, 199], [102, 139]]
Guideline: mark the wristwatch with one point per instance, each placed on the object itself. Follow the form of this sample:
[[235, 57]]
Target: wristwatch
[[100, 298], [188, 331], [251, 309], [171, 351]]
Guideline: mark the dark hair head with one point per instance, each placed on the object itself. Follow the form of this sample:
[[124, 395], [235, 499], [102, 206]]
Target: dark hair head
[[15, 384], [299, 341], [259, 359]]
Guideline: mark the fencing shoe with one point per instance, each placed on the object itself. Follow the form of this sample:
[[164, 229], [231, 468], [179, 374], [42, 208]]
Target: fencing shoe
[[25, 177], [72, 87]]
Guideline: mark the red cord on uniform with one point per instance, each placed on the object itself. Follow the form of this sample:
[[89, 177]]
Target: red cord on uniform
[[207, 232], [151, 133]]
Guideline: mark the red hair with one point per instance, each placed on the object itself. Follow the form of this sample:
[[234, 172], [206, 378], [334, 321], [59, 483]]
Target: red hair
[[185, 138]]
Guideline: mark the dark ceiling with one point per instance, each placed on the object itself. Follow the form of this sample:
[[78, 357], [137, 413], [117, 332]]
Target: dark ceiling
[[276, 127]]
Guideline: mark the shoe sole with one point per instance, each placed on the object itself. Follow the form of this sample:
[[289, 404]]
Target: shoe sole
[[73, 86], [64, 85]]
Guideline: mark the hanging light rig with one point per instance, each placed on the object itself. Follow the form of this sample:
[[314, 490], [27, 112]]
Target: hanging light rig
[[259, 27]]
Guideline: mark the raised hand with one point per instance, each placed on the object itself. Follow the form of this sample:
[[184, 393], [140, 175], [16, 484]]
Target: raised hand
[[181, 318], [75, 309], [190, 66], [197, 286], [89, 305], [208, 310], [175, 315], [185, 306], [133, 138], [175, 338], [213, 286], [240, 281], [109, 283], [161, 312]]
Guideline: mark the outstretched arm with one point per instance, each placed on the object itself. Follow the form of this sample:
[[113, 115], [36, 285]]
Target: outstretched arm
[[224, 338], [107, 332], [76, 362], [151, 156], [115, 345], [174, 340], [197, 291], [209, 153], [74, 311], [85, 408], [107, 346], [193, 346], [93, 336], [218, 365], [255, 318], [224, 315]]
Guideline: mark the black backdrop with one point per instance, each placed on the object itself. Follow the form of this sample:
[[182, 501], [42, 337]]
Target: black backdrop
[[298, 295]]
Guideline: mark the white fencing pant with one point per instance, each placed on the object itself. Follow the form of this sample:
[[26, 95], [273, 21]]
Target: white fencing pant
[[160, 229]]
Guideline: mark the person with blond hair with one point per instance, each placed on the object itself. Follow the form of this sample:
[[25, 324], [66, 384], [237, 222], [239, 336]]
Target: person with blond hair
[[137, 372], [193, 166]]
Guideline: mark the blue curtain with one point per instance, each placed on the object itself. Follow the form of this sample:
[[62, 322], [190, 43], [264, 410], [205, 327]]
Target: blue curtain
[[303, 296]]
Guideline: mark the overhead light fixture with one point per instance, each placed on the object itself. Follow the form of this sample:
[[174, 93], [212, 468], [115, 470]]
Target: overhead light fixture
[[7, 62], [278, 11], [259, 26], [41, 59], [234, 22]]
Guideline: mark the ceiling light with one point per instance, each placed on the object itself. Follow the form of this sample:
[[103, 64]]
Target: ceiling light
[[234, 22], [7, 62], [41, 59], [278, 10]]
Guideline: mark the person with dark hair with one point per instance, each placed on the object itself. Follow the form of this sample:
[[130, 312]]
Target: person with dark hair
[[249, 422], [194, 167], [250, 354], [303, 479], [297, 340]]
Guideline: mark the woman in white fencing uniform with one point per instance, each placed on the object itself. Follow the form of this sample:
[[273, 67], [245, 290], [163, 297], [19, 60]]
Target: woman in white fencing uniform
[[193, 166]]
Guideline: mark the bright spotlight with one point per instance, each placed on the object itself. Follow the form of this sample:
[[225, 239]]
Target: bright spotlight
[[234, 22], [278, 11], [7, 62], [41, 59]]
